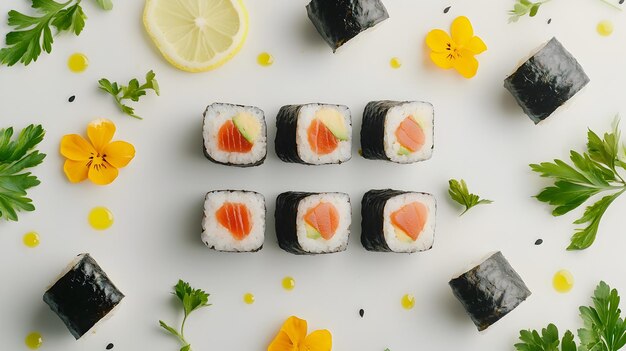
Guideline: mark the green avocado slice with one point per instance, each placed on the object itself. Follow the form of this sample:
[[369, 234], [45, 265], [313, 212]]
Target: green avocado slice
[[248, 126], [312, 233], [335, 122]]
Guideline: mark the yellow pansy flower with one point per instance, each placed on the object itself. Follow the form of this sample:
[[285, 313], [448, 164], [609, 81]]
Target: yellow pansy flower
[[292, 337], [458, 50], [97, 159]]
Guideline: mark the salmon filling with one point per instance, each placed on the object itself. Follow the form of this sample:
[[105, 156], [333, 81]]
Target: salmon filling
[[410, 134], [321, 139], [230, 139], [410, 220], [236, 218], [324, 219]]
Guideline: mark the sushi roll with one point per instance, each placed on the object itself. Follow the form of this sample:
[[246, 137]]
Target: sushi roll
[[234, 135], [338, 21], [490, 290], [398, 131], [313, 223], [83, 295], [314, 134], [397, 221], [546, 81], [234, 221]]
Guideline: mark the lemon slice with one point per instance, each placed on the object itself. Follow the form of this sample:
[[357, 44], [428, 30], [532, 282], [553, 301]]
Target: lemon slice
[[197, 35]]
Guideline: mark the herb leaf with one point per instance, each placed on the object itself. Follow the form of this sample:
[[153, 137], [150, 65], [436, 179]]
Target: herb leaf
[[523, 8], [604, 328], [191, 299], [133, 91], [548, 340], [105, 4], [458, 192]]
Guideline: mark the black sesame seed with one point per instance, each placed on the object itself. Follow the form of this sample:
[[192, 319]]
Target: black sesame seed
[[550, 21], [110, 346], [448, 9], [72, 98], [621, 2], [539, 242], [361, 312]]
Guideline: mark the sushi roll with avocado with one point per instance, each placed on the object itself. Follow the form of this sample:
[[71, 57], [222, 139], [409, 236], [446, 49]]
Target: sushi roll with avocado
[[234, 221], [313, 223], [546, 81], [490, 290], [234, 135], [338, 21], [83, 295], [398, 131], [314, 134], [397, 221]]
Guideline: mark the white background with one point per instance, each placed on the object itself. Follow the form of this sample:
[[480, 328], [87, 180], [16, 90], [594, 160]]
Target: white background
[[481, 136]]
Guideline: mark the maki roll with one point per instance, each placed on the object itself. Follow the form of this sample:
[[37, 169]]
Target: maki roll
[[338, 21], [83, 295], [546, 81], [234, 221], [397, 221], [314, 134], [490, 290], [313, 223], [398, 131], [234, 135]]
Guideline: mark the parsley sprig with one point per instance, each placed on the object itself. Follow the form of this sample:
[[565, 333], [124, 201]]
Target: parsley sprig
[[133, 91], [191, 299], [530, 8], [458, 192], [596, 171], [16, 156]]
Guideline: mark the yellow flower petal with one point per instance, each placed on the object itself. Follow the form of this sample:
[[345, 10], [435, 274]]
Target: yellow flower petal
[[102, 174], [438, 40], [74, 147], [442, 59], [461, 30], [118, 153], [295, 328], [476, 45], [75, 171], [100, 133], [466, 65], [282, 343], [319, 340]]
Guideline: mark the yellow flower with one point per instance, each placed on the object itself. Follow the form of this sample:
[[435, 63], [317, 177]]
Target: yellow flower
[[292, 337], [456, 52], [98, 159]]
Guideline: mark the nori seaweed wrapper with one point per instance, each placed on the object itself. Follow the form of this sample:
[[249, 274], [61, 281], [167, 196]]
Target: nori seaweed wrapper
[[372, 219], [490, 290], [83, 296], [546, 81], [338, 21], [373, 129], [286, 129]]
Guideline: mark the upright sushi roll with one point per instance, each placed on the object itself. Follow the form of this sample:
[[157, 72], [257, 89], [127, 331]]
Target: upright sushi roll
[[490, 290], [234, 135], [546, 81], [397, 221], [398, 131], [314, 134], [83, 295], [313, 223], [338, 21], [234, 221]]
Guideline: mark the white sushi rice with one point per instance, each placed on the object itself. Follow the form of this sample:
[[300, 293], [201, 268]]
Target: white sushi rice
[[424, 115], [426, 238], [306, 116], [214, 118], [339, 241], [217, 237]]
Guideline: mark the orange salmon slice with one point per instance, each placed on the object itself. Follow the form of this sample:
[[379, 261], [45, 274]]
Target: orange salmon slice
[[410, 134], [229, 139], [324, 218], [236, 218], [411, 219], [321, 139]]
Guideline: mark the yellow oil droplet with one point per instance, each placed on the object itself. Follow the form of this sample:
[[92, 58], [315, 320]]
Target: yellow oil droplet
[[265, 59], [289, 283], [78, 63], [31, 239], [248, 298], [395, 63], [563, 281], [605, 28], [100, 218], [33, 340], [408, 301]]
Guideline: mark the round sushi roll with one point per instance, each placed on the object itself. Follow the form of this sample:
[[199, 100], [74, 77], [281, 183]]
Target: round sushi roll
[[398, 221], [234, 221], [401, 132], [313, 223], [234, 135], [314, 134]]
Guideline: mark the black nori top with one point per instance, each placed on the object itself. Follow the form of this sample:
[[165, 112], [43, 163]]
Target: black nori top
[[546, 81], [338, 21], [83, 296], [490, 290], [373, 219]]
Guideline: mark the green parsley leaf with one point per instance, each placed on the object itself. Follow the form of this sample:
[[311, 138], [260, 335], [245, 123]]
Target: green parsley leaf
[[604, 328], [523, 8], [105, 4], [458, 192], [15, 157], [133, 91], [548, 340]]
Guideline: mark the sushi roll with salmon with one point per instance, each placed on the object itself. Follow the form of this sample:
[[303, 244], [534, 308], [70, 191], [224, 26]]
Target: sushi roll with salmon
[[546, 81], [397, 221], [398, 131], [234, 221], [314, 134], [234, 135], [313, 223], [83, 296]]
